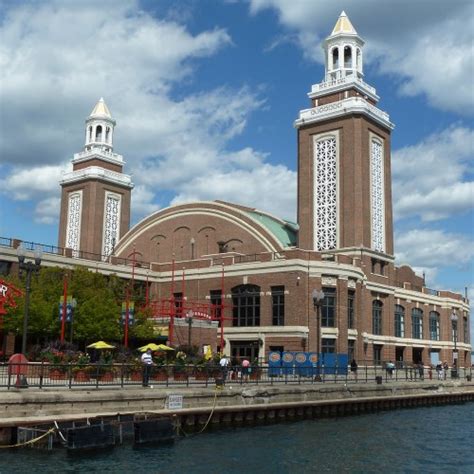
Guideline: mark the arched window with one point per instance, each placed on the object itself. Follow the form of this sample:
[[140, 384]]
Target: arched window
[[347, 57], [107, 134], [246, 305], [434, 326], [358, 60], [98, 133], [399, 321], [377, 306], [335, 58], [417, 323], [90, 134]]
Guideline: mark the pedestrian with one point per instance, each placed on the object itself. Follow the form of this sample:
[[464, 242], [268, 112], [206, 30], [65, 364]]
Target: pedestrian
[[421, 370], [224, 363], [445, 369], [354, 368], [245, 369], [147, 361], [390, 368], [439, 370]]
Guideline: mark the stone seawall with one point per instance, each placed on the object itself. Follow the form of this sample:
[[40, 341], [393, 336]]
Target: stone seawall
[[29, 407]]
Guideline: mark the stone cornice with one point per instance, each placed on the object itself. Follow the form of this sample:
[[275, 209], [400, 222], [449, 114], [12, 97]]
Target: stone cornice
[[354, 105], [95, 172], [342, 84]]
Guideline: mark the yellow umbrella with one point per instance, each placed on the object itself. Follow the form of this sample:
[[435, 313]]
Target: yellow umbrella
[[100, 345], [163, 347], [208, 353], [151, 345]]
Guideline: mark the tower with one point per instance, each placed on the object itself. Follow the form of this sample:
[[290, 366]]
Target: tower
[[95, 198], [344, 183]]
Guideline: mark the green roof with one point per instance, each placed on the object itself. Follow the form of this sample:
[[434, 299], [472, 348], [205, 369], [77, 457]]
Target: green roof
[[284, 231]]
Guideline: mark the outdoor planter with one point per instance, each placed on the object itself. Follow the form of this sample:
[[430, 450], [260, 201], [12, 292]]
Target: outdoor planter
[[107, 377], [81, 376], [159, 376], [136, 376], [55, 374]]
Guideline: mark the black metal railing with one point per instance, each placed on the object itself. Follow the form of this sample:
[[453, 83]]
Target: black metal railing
[[42, 375]]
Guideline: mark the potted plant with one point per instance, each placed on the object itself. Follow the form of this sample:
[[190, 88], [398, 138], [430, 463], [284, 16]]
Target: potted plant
[[80, 368], [180, 371], [57, 364], [136, 370], [159, 371], [255, 370], [202, 369]]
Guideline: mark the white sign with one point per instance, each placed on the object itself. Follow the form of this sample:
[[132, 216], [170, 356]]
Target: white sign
[[175, 402]]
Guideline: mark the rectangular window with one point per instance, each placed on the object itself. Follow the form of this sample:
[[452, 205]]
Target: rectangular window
[[216, 302], [377, 354], [351, 349], [178, 304], [328, 346], [350, 309], [278, 305], [466, 330], [417, 323], [434, 326], [328, 308], [399, 321]]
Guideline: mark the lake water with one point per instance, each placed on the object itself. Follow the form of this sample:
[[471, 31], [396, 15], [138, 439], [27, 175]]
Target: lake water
[[421, 440]]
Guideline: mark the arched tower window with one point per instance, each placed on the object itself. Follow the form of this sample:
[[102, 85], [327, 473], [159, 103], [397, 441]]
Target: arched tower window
[[335, 58], [347, 57], [434, 326], [359, 60], [98, 133], [90, 134], [107, 135], [246, 305], [377, 306], [399, 321], [417, 323]]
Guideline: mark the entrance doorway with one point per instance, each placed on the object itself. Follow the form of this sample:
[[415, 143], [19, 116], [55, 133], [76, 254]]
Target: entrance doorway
[[244, 350], [417, 355], [399, 356]]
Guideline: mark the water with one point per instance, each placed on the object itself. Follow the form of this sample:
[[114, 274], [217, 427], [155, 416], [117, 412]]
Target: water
[[427, 440]]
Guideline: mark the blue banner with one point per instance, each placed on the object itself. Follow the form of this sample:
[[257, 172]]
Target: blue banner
[[69, 312], [274, 364]]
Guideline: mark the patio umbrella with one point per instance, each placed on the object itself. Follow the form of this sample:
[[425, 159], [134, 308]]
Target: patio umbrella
[[152, 346], [100, 345], [163, 347]]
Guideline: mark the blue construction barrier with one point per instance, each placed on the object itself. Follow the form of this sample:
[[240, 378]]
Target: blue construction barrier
[[306, 364]]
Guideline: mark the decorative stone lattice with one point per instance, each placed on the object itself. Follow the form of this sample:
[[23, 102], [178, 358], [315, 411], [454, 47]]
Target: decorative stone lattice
[[73, 232], [377, 196], [111, 224], [325, 194]]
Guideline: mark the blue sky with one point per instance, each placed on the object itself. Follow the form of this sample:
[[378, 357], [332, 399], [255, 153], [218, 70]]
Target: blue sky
[[205, 94]]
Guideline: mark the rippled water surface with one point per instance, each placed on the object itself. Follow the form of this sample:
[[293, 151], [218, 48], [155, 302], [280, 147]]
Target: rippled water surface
[[434, 439]]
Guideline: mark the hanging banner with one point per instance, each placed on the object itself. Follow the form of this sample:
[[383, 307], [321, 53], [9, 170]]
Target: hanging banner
[[8, 296], [274, 364], [69, 309], [131, 313]]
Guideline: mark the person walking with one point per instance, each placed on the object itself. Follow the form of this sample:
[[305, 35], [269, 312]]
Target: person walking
[[245, 369], [354, 368], [147, 361], [224, 363]]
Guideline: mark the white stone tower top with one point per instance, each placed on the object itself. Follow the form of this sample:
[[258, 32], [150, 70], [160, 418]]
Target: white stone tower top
[[100, 128], [343, 51]]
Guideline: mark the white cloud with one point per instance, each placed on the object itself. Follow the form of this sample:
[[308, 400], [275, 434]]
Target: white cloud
[[271, 188], [47, 210], [430, 178], [115, 50], [429, 249], [427, 46]]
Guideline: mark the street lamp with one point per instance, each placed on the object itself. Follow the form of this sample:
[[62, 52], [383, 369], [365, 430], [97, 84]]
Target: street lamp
[[318, 298], [454, 323], [29, 268], [189, 318]]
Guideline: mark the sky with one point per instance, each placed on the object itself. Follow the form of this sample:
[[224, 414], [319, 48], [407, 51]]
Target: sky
[[205, 94]]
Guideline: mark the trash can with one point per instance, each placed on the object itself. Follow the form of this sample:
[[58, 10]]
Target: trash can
[[468, 378], [378, 379], [454, 373]]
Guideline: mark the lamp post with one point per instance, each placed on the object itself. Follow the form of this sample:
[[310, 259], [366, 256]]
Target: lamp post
[[454, 323], [29, 268], [189, 317], [318, 298]]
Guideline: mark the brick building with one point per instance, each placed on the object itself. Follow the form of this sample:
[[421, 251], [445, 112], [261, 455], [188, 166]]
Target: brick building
[[260, 272]]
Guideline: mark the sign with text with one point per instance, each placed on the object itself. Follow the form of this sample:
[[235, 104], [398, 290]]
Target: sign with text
[[8, 296], [175, 402]]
